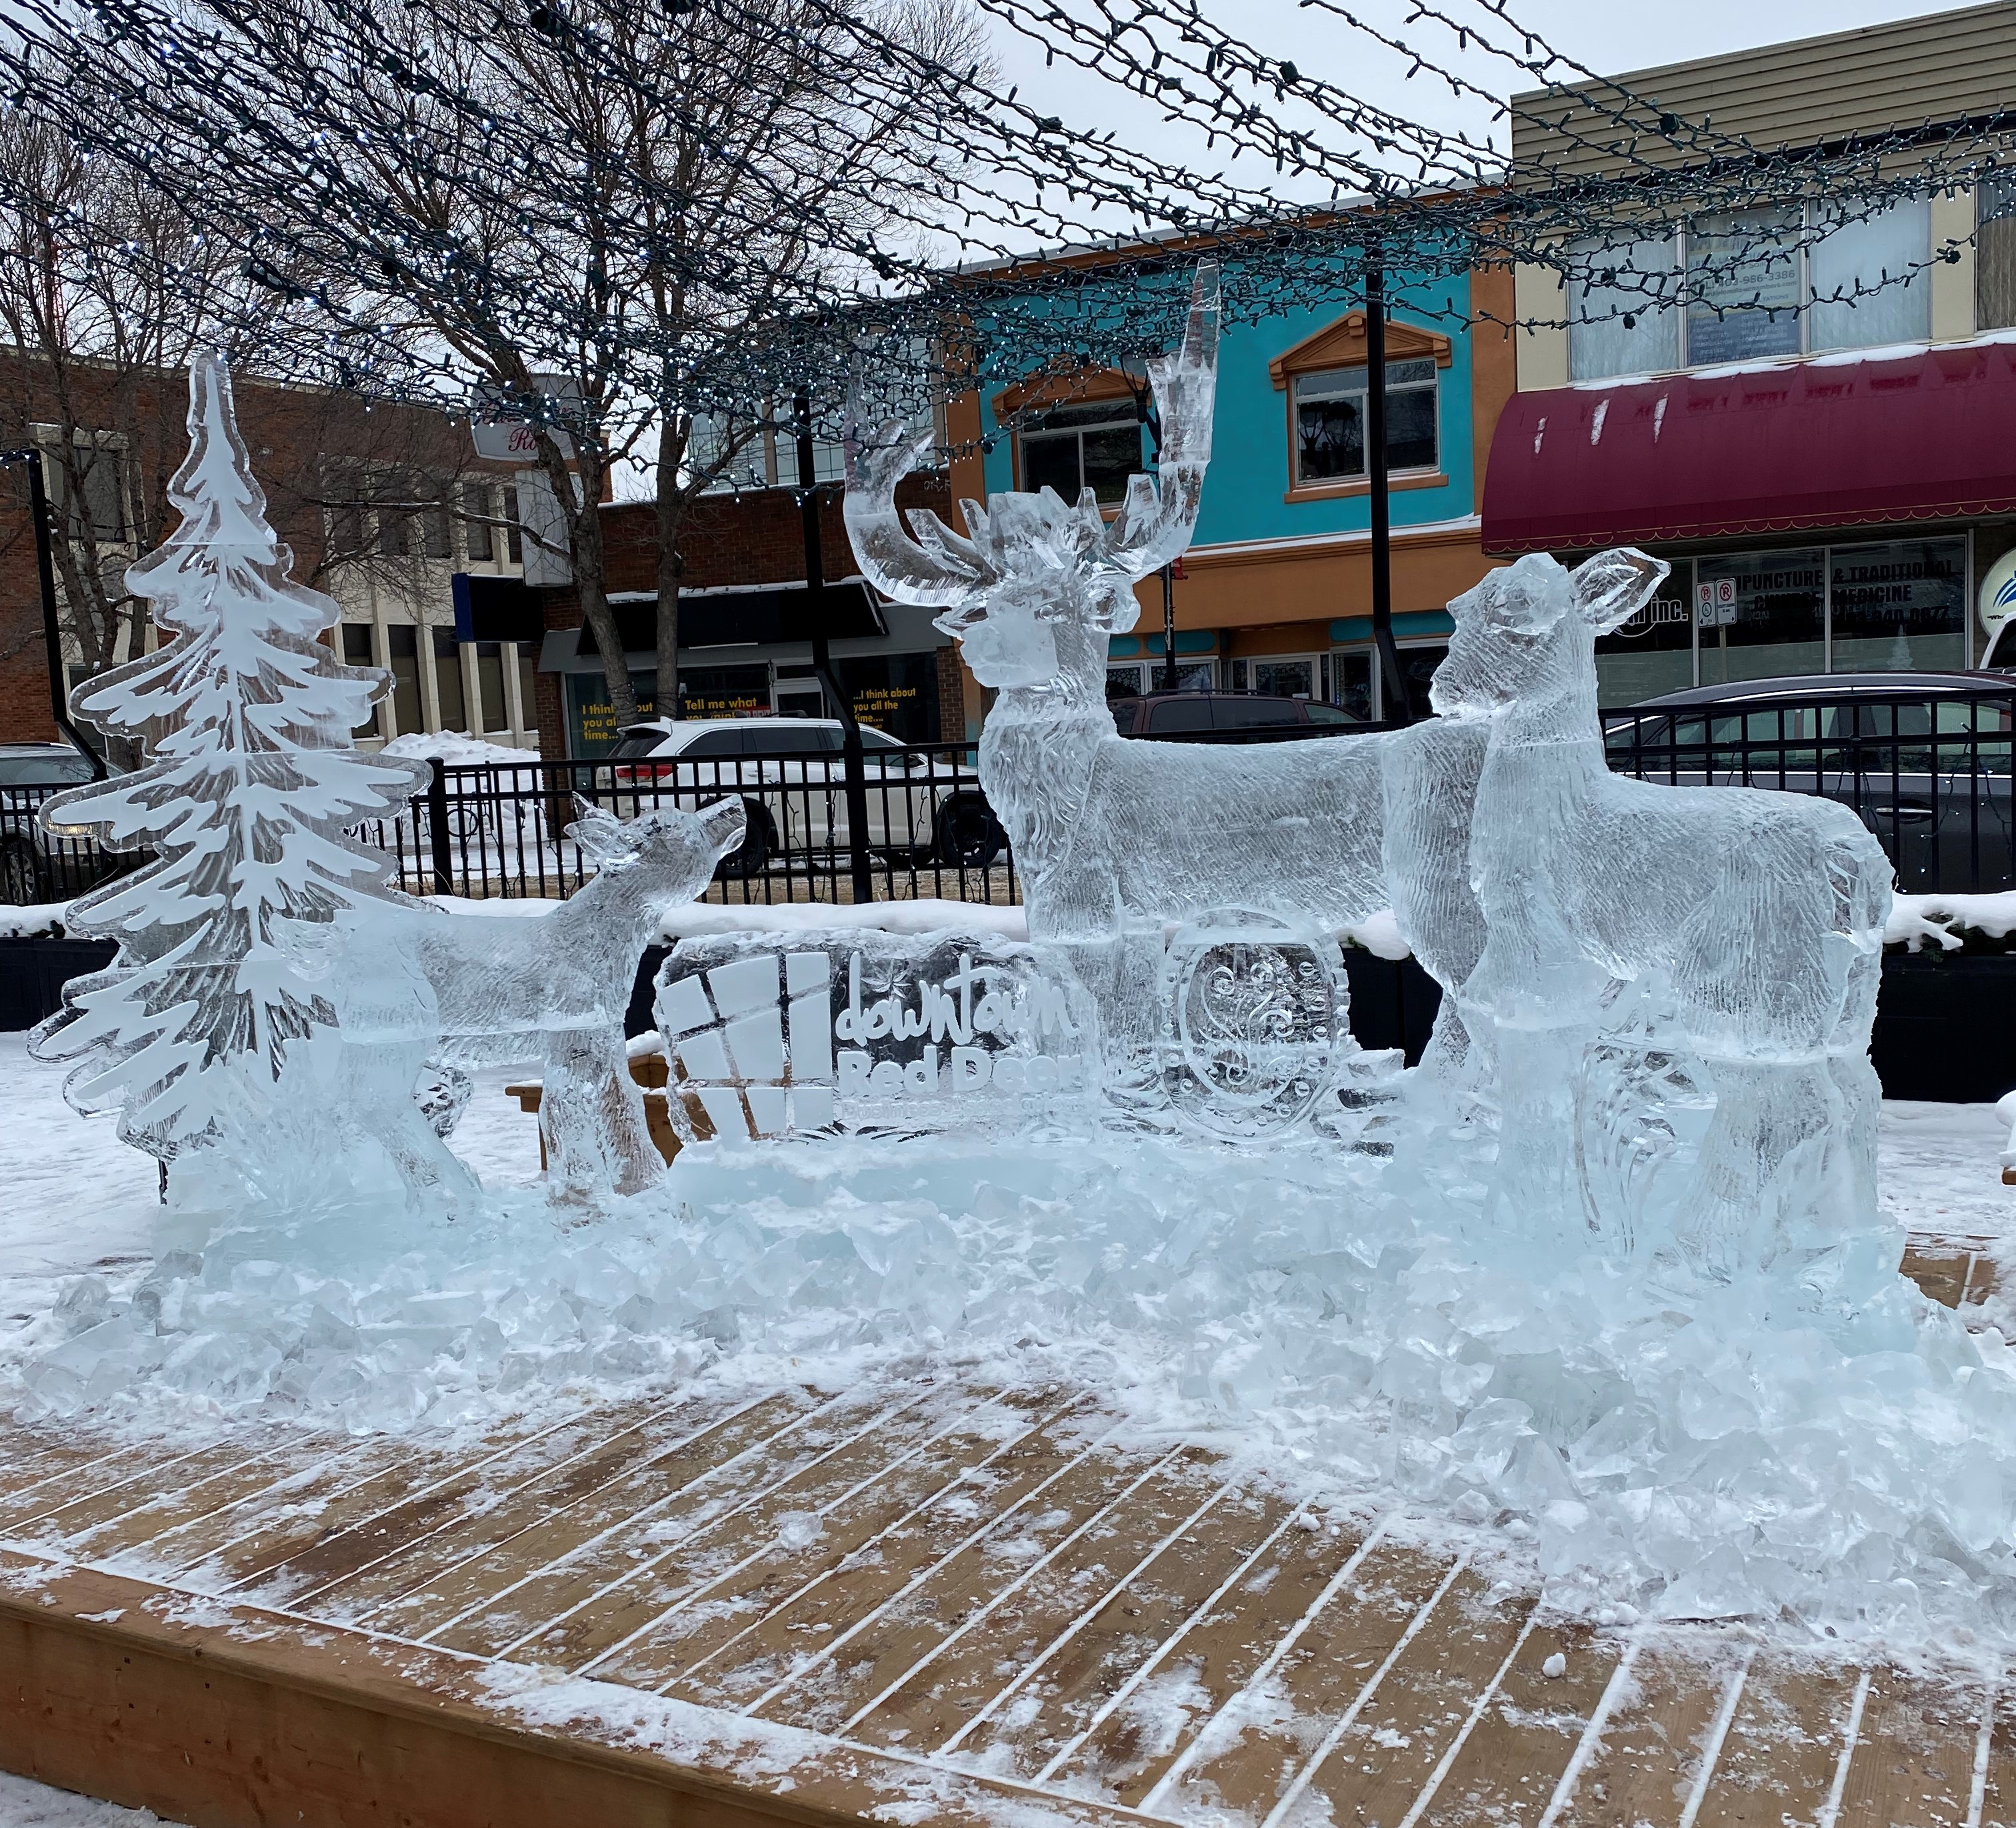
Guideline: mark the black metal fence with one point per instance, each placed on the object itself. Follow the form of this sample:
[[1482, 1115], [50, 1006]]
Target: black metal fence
[[925, 828], [35, 866], [1929, 775]]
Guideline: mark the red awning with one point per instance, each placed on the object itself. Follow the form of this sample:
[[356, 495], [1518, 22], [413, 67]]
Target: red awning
[[1831, 442]]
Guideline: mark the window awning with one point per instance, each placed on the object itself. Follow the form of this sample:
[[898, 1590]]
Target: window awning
[[1833, 441]]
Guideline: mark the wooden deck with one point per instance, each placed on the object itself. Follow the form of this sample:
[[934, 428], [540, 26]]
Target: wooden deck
[[916, 1601]]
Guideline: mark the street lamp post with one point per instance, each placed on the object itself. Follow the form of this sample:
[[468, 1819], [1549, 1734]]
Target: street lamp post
[[1392, 687]]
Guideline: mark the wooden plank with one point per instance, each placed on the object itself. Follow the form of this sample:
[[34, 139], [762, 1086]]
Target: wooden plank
[[1126, 1754], [954, 1686], [1361, 1712], [1783, 1745], [663, 1451], [1995, 1763], [1059, 1693], [885, 1610], [1914, 1761], [1517, 1752], [1938, 1270], [1644, 1765], [712, 1622], [599, 1587], [568, 1610], [140, 1487], [230, 1717], [182, 1502], [827, 1611], [241, 1550], [297, 1495], [346, 1543], [31, 1457]]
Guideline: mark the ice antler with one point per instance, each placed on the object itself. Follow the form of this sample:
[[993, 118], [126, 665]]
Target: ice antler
[[936, 566], [1153, 526]]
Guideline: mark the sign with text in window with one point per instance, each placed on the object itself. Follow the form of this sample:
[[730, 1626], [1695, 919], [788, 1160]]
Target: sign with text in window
[[775, 1035]]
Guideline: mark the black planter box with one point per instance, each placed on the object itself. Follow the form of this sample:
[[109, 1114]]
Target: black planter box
[[34, 971]]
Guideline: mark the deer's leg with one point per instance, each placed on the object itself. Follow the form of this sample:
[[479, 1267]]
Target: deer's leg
[[1534, 1191], [592, 1118], [378, 1084], [1763, 1180]]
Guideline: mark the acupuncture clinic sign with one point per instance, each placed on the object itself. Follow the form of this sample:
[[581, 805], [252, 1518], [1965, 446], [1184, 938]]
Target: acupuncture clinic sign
[[773, 1037]]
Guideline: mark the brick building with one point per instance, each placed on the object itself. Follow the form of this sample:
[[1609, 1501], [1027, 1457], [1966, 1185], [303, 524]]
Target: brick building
[[745, 641], [382, 506]]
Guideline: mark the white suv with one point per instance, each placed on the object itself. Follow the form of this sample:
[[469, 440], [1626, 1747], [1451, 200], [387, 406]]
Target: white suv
[[923, 805]]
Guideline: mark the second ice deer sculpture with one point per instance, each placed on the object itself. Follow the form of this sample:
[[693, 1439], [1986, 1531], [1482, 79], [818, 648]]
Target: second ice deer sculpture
[[502, 988], [1116, 839], [1733, 929]]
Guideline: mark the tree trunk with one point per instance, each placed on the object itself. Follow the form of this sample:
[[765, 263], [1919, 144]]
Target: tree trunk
[[590, 572]]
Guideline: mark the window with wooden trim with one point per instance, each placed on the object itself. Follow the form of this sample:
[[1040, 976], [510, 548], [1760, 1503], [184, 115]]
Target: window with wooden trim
[[1325, 378]]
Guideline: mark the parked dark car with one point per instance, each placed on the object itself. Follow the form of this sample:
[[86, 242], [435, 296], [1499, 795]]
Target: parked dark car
[[1924, 758], [34, 866], [1181, 714]]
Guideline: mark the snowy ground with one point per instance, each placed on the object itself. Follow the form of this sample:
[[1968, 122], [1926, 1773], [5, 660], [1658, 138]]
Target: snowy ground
[[1855, 1479]]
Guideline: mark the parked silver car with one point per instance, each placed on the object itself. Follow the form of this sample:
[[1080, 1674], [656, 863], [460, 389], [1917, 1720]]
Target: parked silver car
[[924, 804]]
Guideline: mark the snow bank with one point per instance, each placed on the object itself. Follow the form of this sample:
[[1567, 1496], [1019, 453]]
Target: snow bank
[[1916, 919], [35, 920], [457, 751]]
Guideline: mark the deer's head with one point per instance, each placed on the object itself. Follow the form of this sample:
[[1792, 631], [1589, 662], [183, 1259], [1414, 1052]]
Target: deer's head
[[669, 854], [1037, 584], [1527, 633]]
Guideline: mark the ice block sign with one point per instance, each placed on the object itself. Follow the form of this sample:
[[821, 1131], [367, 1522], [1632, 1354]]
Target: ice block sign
[[774, 1037]]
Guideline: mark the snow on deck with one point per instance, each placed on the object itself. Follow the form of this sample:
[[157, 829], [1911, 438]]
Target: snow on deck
[[928, 1598]]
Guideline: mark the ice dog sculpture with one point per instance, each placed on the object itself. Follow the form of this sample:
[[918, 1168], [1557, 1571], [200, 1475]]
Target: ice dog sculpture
[[1115, 839], [1734, 928], [500, 988]]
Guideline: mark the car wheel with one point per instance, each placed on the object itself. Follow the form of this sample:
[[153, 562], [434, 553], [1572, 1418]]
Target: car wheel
[[969, 837], [20, 876], [753, 857]]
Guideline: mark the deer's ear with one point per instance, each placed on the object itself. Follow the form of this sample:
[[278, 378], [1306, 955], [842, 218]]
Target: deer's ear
[[602, 836], [1611, 588], [725, 822]]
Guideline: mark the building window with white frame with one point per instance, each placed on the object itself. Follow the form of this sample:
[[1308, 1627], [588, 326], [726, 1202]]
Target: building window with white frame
[[1751, 286], [1094, 444], [1330, 422]]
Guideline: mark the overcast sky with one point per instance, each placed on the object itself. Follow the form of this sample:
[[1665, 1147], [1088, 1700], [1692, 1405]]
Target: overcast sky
[[1608, 36]]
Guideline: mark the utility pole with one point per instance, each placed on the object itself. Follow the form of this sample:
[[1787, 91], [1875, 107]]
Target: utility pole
[[853, 763], [1392, 685]]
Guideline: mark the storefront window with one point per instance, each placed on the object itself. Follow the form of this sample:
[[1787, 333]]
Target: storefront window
[[1349, 685], [1417, 668], [1277, 675], [1654, 652], [1899, 607], [1761, 615]]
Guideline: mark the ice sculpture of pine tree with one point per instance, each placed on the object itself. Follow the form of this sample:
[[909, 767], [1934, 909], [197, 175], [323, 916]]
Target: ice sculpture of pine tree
[[250, 780]]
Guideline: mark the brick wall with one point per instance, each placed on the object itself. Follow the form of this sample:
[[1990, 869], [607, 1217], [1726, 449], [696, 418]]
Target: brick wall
[[291, 433]]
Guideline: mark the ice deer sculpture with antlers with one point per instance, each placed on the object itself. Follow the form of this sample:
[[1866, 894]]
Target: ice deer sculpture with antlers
[[1116, 839]]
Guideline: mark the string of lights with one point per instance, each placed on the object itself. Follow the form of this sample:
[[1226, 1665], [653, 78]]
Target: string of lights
[[432, 192]]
